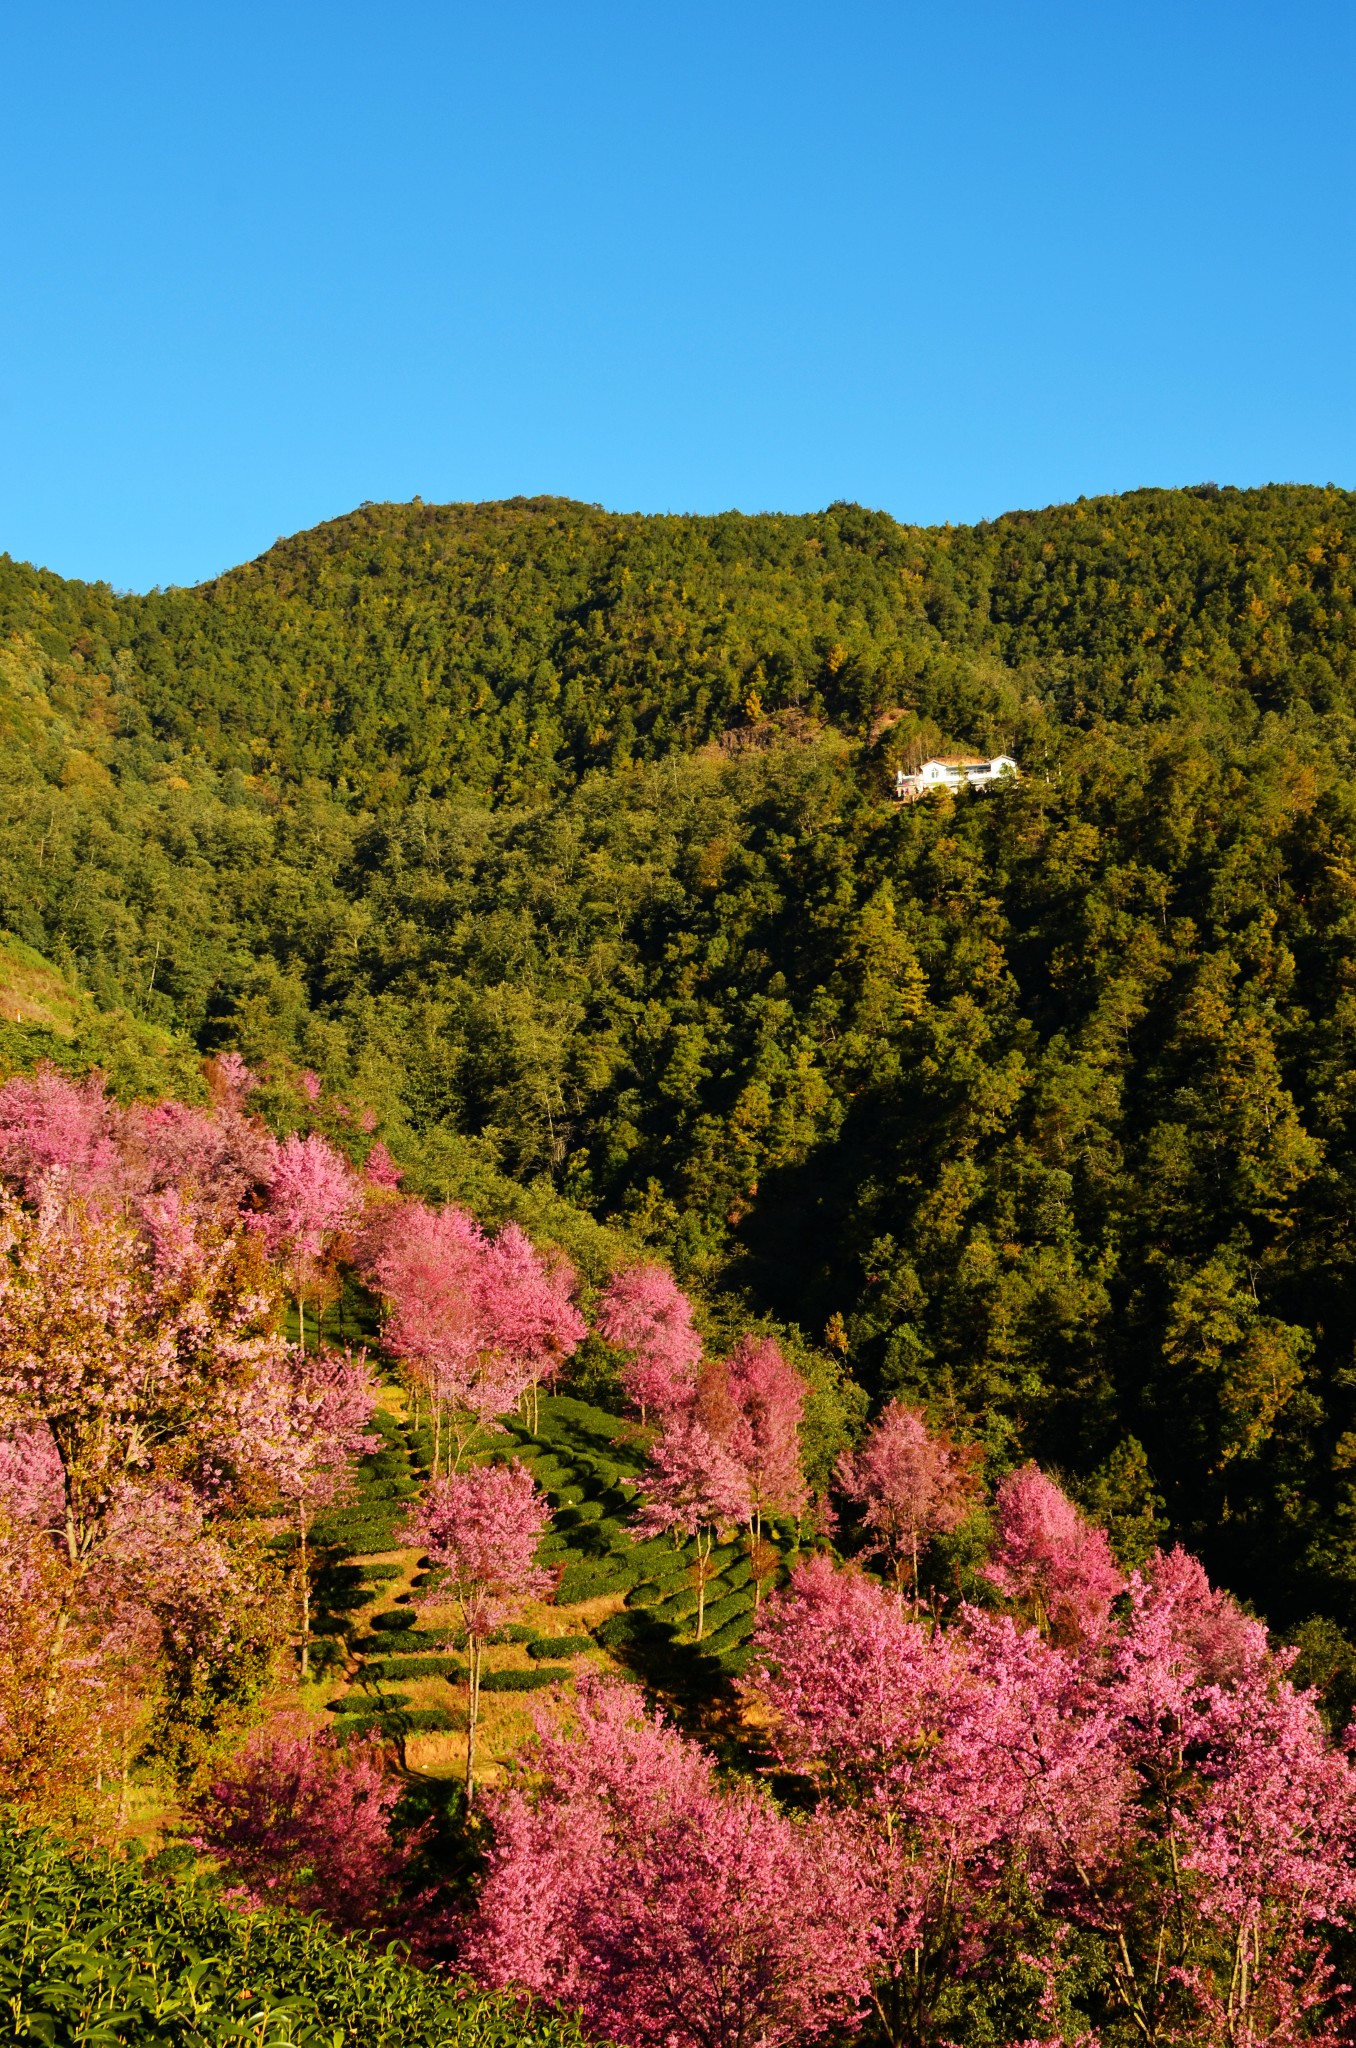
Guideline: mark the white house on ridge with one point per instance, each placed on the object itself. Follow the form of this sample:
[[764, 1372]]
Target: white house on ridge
[[952, 771]]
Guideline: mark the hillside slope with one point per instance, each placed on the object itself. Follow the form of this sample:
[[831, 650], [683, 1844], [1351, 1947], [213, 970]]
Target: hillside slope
[[1039, 1105]]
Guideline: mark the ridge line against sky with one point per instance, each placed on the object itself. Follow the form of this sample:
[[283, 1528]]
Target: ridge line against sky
[[266, 264]]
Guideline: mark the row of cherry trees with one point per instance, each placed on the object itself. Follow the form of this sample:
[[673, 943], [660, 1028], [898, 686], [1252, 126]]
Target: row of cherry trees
[[1092, 1808], [1099, 1814], [151, 1404]]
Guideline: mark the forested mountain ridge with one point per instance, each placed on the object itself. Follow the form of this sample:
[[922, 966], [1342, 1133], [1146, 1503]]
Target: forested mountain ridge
[[1040, 1104], [498, 650]]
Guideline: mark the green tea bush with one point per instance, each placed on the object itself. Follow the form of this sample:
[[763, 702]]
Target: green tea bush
[[588, 1581], [400, 1721], [559, 1646], [354, 1703], [409, 1642], [734, 1631], [93, 1955], [721, 1611], [523, 1681], [414, 1667]]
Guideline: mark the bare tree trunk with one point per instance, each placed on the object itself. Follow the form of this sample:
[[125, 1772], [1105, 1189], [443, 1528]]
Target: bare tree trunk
[[305, 1593], [703, 1558], [472, 1716]]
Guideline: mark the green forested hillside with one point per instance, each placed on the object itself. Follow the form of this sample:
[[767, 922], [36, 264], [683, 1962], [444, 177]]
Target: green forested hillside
[[569, 833]]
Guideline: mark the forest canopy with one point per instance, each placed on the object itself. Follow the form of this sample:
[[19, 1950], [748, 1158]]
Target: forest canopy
[[564, 840]]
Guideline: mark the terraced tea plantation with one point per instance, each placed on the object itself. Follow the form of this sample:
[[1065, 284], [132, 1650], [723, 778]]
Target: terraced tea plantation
[[93, 1955], [629, 1601]]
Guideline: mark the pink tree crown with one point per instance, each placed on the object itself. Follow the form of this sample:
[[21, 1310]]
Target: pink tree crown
[[693, 1481], [673, 1912], [299, 1821], [481, 1529], [643, 1310], [1050, 1558], [913, 1484], [768, 1396]]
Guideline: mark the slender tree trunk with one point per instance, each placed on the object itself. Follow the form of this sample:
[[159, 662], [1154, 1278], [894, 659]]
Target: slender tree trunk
[[703, 1558], [305, 1593], [472, 1716], [301, 1321]]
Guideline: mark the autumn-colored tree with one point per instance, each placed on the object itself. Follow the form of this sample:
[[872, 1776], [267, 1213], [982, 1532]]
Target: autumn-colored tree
[[481, 1529]]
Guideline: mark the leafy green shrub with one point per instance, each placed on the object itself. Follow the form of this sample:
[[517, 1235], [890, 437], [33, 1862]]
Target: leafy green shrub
[[378, 1572], [587, 1581], [559, 1646], [345, 1599], [414, 1667], [351, 1704], [394, 1617], [409, 1642], [514, 1632], [721, 1611], [734, 1631], [647, 1594], [587, 1511], [676, 1606], [564, 1496], [523, 1681], [404, 1721], [91, 1952], [625, 1631]]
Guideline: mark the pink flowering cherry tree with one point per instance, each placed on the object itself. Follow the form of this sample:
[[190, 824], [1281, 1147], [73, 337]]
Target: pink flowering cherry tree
[[481, 1529], [478, 1322], [768, 1397], [911, 1484], [300, 1821], [313, 1195], [953, 1760], [1050, 1559], [58, 1135], [694, 1484], [671, 1911], [132, 1367], [527, 1311], [643, 1310], [304, 1422]]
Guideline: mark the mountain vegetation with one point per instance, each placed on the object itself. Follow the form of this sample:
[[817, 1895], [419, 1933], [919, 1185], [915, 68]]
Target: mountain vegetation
[[562, 838]]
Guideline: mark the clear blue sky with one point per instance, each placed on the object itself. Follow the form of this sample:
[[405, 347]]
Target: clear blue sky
[[264, 261]]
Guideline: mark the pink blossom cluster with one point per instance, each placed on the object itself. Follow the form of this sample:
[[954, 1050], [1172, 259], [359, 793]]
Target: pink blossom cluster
[[629, 1884], [480, 1529], [145, 1386], [479, 1320]]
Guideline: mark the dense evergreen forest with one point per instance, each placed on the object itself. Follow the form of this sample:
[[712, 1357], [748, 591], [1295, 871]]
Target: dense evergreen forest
[[564, 840]]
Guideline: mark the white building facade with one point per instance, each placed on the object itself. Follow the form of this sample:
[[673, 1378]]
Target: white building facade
[[953, 771]]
